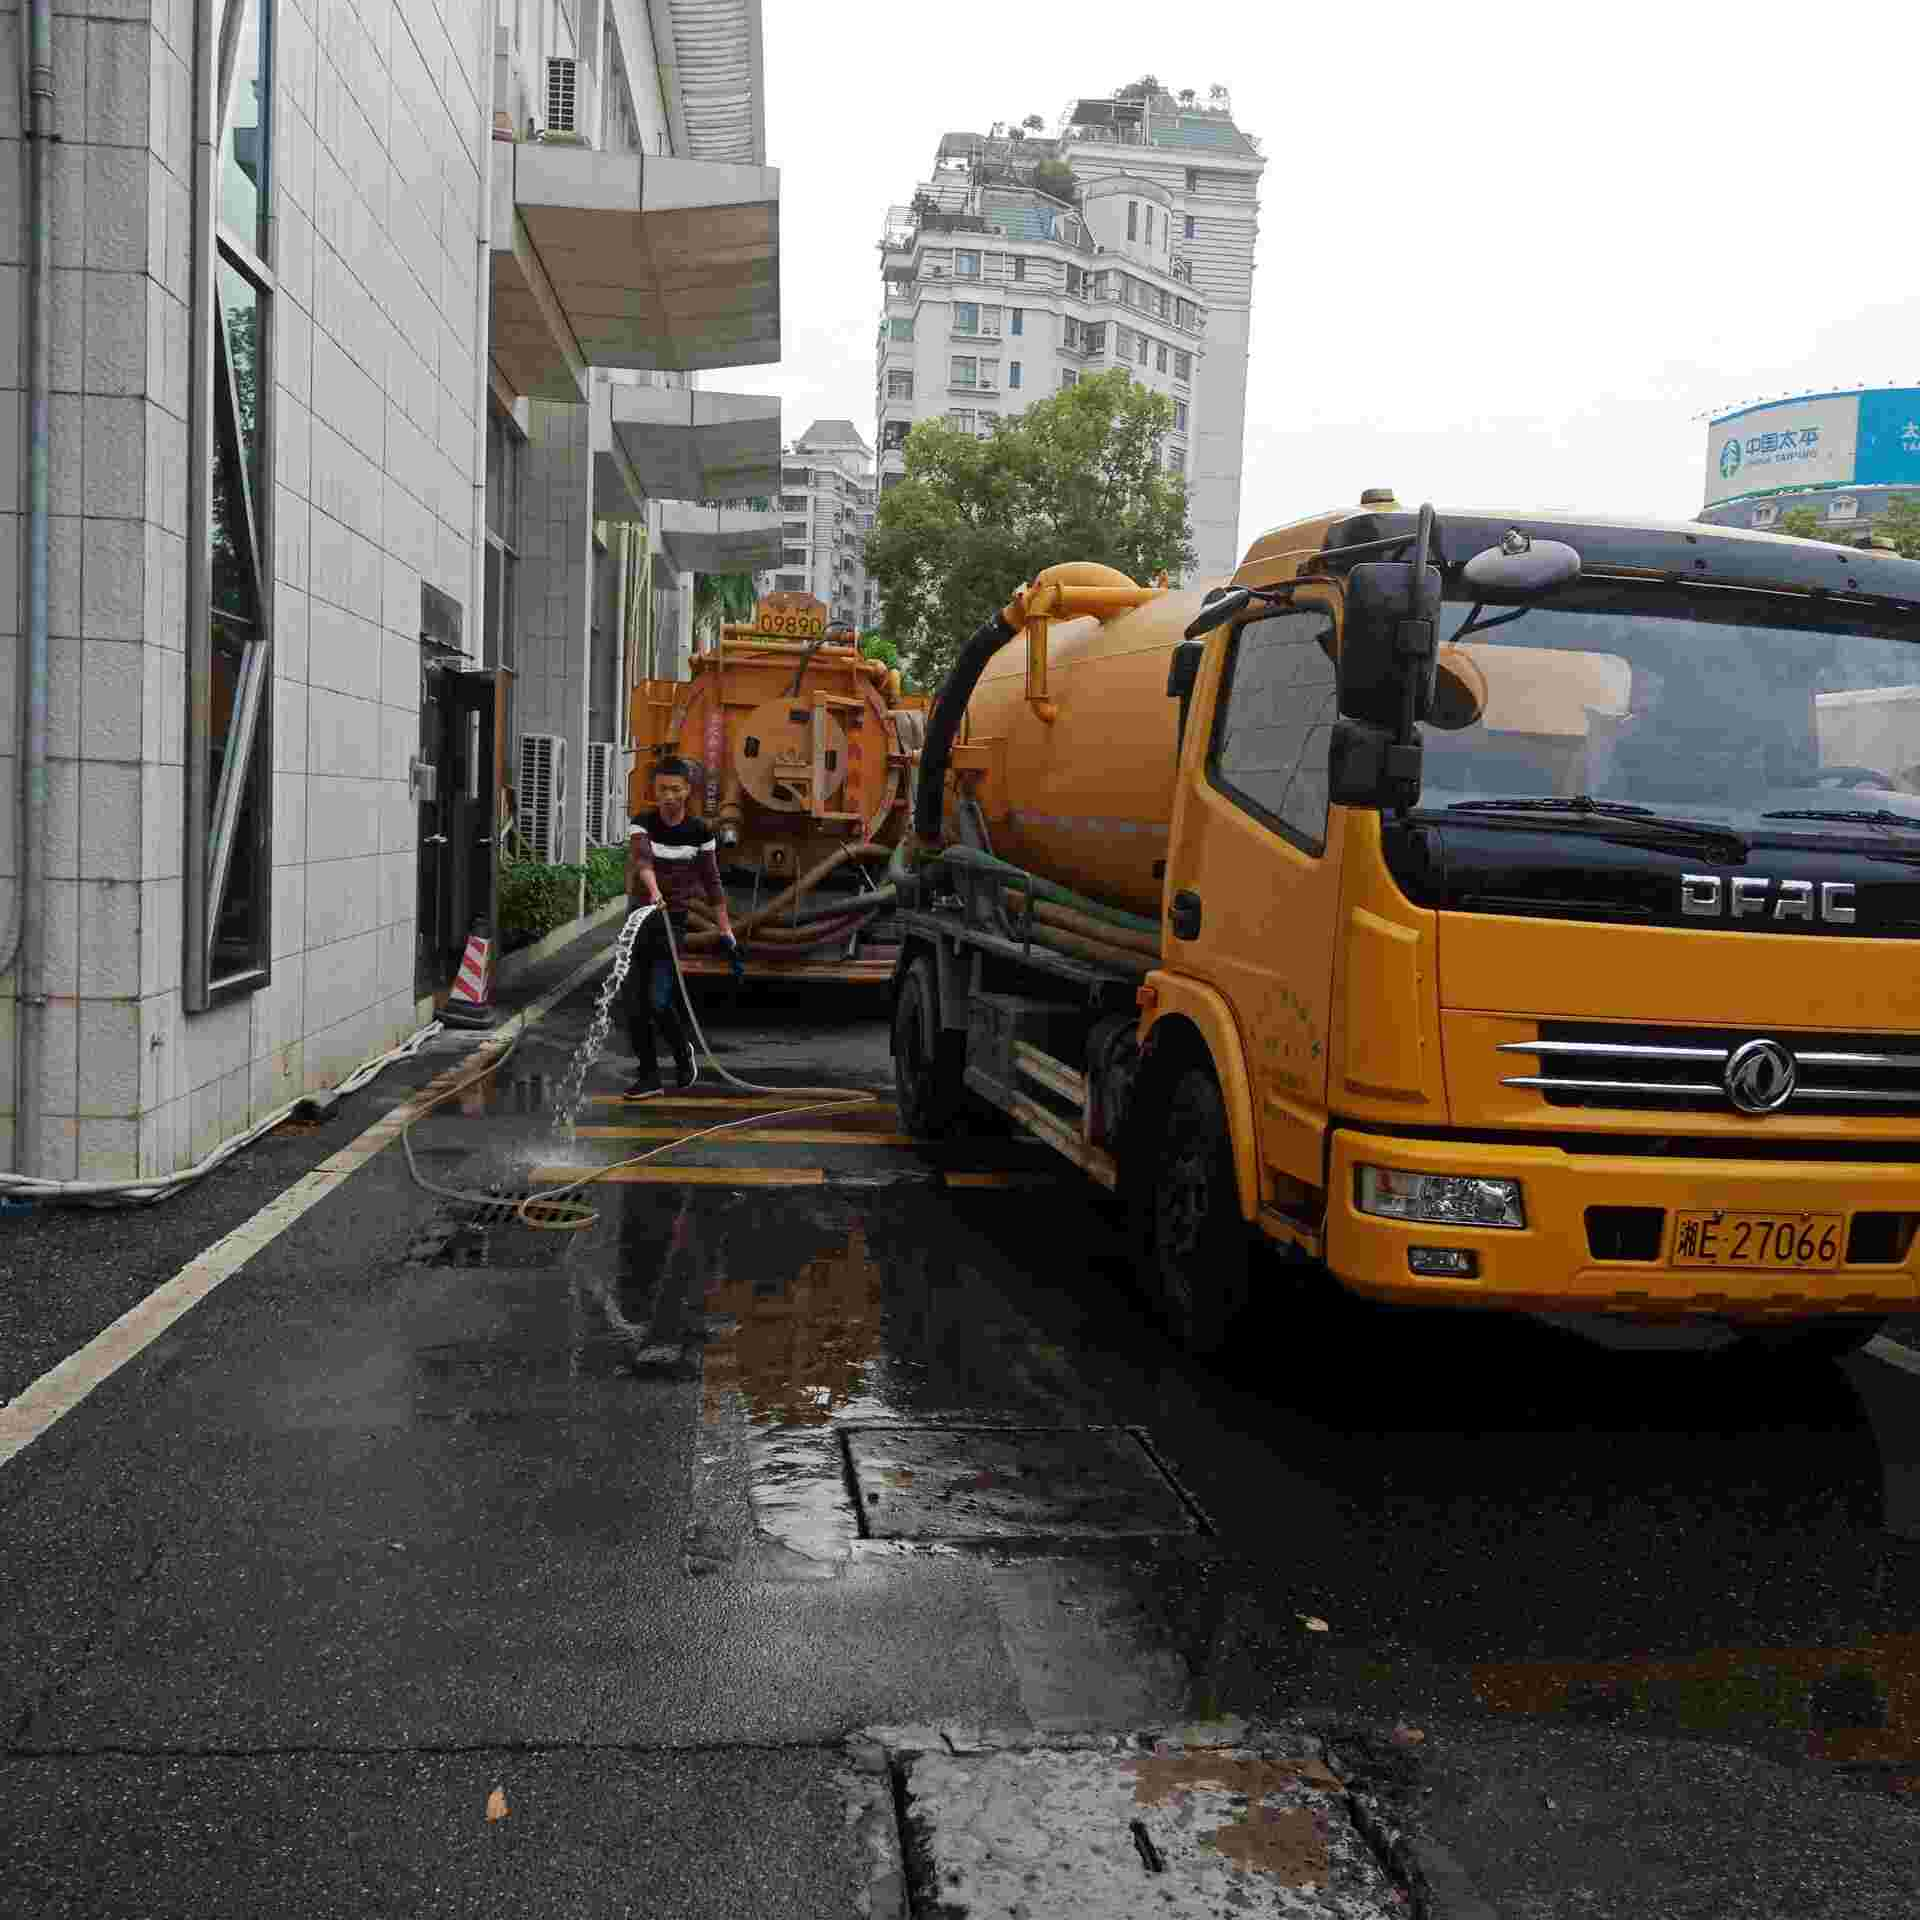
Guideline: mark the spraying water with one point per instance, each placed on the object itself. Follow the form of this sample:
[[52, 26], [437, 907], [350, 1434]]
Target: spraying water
[[573, 1083]]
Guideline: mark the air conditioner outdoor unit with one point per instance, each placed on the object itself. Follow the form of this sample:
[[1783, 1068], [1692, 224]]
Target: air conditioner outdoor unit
[[541, 798], [604, 786], [563, 94]]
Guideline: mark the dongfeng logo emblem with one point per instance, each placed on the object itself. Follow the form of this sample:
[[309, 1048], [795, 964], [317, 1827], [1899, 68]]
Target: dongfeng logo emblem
[[1760, 1076], [1730, 459]]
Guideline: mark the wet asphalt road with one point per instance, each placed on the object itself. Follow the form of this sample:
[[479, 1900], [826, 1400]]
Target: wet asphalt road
[[637, 1523]]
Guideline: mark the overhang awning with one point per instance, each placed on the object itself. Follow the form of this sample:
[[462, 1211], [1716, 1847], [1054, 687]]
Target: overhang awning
[[718, 539], [698, 446], [629, 260]]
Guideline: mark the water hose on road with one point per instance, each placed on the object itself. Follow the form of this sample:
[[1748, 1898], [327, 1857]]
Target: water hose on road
[[549, 1210]]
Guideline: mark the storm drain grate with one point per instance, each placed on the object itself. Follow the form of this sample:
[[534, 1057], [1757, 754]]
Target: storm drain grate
[[985, 1484]]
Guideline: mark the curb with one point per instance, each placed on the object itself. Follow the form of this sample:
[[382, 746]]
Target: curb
[[525, 958]]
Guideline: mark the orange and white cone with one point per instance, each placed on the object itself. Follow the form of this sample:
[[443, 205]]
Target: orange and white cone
[[470, 1001]]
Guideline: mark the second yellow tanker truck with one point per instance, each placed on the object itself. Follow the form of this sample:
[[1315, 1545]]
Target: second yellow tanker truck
[[1500, 911]]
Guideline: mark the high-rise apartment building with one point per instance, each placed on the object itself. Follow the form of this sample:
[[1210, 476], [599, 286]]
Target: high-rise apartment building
[[998, 293], [826, 510], [1126, 237]]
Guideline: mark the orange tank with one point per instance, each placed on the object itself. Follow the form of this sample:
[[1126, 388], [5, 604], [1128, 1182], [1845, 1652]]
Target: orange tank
[[798, 744], [1074, 772]]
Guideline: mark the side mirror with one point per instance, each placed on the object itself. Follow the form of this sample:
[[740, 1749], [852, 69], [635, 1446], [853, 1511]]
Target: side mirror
[[1368, 767], [1183, 669], [1387, 642]]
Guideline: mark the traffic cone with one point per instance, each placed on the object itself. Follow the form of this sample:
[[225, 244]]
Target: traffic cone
[[470, 1000]]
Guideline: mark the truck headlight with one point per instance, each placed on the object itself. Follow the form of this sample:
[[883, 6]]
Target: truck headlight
[[1446, 1199]]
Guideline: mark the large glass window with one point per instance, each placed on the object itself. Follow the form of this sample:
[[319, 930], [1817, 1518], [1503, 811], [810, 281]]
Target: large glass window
[[230, 653], [505, 459]]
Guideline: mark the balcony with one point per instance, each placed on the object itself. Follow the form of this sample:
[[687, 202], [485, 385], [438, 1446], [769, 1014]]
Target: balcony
[[629, 261]]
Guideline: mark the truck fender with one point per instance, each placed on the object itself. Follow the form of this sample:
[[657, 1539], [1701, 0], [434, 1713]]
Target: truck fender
[[1186, 1014], [950, 986]]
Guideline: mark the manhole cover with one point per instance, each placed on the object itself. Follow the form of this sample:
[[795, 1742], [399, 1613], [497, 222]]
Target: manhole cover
[[1012, 1483]]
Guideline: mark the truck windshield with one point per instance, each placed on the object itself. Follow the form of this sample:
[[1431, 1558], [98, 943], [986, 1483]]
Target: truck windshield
[[1720, 721]]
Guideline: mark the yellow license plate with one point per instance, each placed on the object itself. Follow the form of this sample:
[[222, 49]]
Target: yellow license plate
[[1779, 1241]]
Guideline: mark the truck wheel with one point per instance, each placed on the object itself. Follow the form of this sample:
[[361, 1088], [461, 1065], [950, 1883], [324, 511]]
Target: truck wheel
[[928, 1086], [1811, 1340], [1197, 1246]]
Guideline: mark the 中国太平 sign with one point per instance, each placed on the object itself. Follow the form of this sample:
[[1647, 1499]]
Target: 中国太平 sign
[[1865, 439]]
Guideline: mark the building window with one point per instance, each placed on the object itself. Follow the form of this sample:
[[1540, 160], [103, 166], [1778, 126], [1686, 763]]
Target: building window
[[1179, 416], [899, 385], [963, 371], [228, 891], [1093, 339], [1076, 282], [1013, 373], [900, 329], [1193, 179], [1166, 301], [1019, 266], [1182, 365], [966, 316], [989, 373], [1160, 358], [1068, 378], [1140, 345], [1176, 459], [990, 318], [1103, 285], [966, 266], [499, 617], [793, 503], [1270, 749], [1123, 341], [962, 418], [1149, 226], [1017, 320], [1190, 226], [1133, 219]]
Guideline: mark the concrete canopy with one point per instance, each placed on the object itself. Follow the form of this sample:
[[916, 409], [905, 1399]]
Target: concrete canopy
[[718, 539], [630, 260], [698, 446]]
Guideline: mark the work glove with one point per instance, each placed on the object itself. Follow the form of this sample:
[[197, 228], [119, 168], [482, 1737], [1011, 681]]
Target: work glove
[[734, 961]]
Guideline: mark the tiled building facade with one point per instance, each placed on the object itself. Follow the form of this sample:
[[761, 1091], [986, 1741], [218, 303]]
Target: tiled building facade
[[297, 289]]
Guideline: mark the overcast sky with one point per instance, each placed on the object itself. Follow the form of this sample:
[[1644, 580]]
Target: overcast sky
[[1502, 261]]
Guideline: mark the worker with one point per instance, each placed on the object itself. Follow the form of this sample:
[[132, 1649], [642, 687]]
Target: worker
[[670, 859]]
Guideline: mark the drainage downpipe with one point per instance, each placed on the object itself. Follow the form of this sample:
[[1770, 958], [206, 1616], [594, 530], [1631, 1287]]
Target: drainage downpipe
[[27, 941]]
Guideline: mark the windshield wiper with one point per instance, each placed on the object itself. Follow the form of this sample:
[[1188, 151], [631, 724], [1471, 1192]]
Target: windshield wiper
[[1583, 806], [1873, 816]]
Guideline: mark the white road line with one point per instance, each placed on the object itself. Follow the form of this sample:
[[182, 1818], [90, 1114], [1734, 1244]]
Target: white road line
[[61, 1388], [1893, 1353]]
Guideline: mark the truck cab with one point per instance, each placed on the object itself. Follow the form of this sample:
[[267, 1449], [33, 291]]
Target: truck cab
[[1549, 931]]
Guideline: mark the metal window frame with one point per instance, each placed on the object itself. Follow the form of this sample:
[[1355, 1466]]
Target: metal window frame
[[212, 818]]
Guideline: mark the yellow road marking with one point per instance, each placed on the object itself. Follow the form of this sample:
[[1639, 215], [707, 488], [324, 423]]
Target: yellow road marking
[[732, 1102], [1000, 1179], [755, 1137], [658, 1176]]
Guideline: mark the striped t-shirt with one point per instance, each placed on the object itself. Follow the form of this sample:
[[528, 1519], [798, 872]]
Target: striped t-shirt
[[682, 858]]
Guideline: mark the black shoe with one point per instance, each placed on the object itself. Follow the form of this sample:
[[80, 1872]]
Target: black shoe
[[684, 1068], [641, 1086]]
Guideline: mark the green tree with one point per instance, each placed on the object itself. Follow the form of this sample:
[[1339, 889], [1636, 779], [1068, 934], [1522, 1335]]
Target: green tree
[[1901, 524], [1078, 476], [1055, 177], [1802, 522], [876, 646], [719, 597]]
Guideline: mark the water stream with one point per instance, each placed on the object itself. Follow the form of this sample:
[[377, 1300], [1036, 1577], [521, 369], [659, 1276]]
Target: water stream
[[573, 1083]]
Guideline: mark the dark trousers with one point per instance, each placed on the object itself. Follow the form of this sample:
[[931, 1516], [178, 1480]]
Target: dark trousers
[[650, 998]]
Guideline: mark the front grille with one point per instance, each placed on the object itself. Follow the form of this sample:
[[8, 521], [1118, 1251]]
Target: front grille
[[1682, 1069]]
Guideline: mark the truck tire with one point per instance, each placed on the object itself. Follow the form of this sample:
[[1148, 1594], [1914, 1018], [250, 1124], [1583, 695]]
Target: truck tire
[[929, 1085], [1196, 1246]]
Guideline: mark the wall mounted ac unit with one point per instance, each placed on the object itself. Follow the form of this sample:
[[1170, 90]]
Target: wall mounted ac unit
[[604, 792], [541, 796], [563, 96]]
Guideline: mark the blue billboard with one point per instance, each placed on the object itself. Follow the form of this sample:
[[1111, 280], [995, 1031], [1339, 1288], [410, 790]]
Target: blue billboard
[[1887, 451]]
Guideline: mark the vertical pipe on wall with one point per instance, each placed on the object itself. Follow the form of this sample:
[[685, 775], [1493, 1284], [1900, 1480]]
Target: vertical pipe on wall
[[195, 908], [28, 938]]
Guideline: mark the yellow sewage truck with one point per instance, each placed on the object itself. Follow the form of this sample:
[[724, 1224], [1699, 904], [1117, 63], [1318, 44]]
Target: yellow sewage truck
[[1500, 910]]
